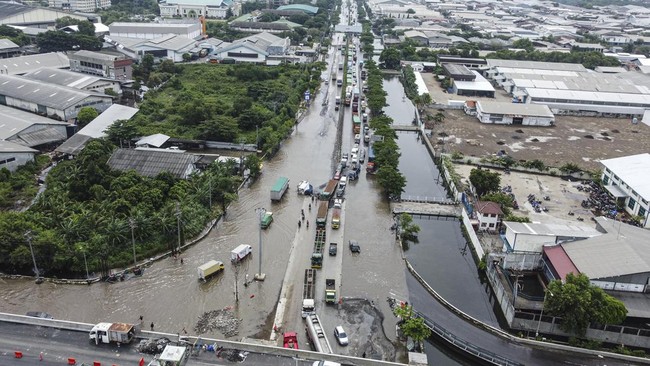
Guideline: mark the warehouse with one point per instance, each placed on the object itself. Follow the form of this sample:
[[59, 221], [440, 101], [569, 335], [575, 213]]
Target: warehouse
[[155, 30], [626, 178], [29, 129], [586, 103], [479, 87], [14, 155], [502, 113], [76, 80], [532, 237]]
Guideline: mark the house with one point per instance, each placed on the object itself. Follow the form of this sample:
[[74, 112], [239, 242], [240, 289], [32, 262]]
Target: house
[[628, 179], [88, 6], [95, 129], [23, 64], [76, 80], [13, 155], [514, 113], [112, 66], [417, 37], [150, 162], [191, 30], [256, 48], [195, 8], [488, 214], [13, 13], [54, 101], [533, 237], [29, 129]]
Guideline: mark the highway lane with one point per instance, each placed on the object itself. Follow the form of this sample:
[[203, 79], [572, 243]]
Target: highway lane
[[59, 345]]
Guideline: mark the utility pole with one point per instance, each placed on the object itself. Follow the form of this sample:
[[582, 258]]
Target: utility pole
[[210, 189], [133, 225], [28, 236], [259, 275], [85, 262], [236, 264], [178, 223]]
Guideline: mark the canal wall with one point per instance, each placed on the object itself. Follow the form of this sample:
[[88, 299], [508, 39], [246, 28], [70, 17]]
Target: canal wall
[[256, 348]]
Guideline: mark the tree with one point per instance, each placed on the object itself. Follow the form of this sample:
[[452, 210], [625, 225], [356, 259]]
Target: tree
[[121, 131], [85, 115], [524, 43], [484, 181], [391, 180], [412, 326], [390, 57], [580, 303], [253, 164], [408, 230]]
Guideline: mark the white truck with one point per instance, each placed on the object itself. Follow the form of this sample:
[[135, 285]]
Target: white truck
[[278, 189], [112, 332], [308, 290], [240, 252], [316, 334], [208, 269]]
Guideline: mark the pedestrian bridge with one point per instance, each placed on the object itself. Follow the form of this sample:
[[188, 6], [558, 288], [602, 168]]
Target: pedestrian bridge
[[430, 206]]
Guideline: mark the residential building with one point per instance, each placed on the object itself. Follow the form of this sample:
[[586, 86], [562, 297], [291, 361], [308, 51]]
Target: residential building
[[195, 8], [488, 214], [55, 101], [628, 179], [533, 237], [110, 66], [23, 64], [29, 129], [191, 30], [76, 80], [13, 155], [514, 113], [13, 13], [96, 129], [150, 162], [87, 6]]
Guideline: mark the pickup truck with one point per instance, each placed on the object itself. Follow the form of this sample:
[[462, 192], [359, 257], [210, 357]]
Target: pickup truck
[[333, 247], [336, 213]]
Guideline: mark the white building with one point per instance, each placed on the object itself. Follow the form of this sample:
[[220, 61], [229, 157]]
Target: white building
[[88, 6], [256, 48], [514, 113], [488, 215], [155, 30], [29, 129], [75, 80], [628, 179], [532, 237], [195, 8], [13, 155]]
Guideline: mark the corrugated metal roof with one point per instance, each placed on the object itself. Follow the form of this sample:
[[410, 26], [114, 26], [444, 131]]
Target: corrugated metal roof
[[12, 147], [633, 170], [560, 261], [115, 112], [536, 65], [150, 163], [41, 137], [7, 44], [23, 64], [50, 95], [13, 121], [537, 110], [156, 140], [62, 77], [74, 144], [566, 230], [623, 250]]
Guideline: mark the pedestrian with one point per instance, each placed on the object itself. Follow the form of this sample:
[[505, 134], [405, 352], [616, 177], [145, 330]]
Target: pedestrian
[[40, 356], [310, 207], [181, 260], [307, 224], [141, 319], [298, 224], [364, 354], [184, 331], [152, 326]]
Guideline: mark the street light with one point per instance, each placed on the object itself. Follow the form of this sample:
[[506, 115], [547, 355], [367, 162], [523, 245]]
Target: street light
[[85, 262], [259, 276], [28, 236], [133, 225], [539, 322]]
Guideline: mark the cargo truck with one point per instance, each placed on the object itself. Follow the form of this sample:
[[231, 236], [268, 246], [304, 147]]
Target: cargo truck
[[240, 253], [356, 123], [321, 217], [112, 333], [330, 291], [336, 214], [317, 254], [316, 334], [208, 269], [348, 95], [267, 219], [329, 190], [308, 293], [278, 189]]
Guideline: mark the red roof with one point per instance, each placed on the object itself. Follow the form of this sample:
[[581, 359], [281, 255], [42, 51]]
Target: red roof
[[488, 207], [560, 261]]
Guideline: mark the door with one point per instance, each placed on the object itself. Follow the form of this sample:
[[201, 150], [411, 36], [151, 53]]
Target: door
[[517, 120]]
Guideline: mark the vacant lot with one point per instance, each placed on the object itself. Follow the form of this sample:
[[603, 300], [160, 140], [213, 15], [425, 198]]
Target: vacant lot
[[580, 140]]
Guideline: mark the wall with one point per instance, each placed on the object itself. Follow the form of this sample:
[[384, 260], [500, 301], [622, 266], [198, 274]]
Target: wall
[[22, 158], [473, 239], [528, 242]]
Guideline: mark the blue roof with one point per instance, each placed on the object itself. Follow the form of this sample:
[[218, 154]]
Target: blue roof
[[302, 7]]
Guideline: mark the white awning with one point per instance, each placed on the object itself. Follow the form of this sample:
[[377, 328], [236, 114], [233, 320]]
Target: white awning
[[616, 191]]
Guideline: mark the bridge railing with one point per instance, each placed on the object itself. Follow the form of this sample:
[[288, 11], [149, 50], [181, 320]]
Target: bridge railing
[[428, 199]]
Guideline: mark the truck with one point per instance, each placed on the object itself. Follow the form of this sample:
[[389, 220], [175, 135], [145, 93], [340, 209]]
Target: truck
[[355, 106], [208, 269], [338, 100], [267, 219], [348, 95], [173, 356], [321, 217], [240, 252], [339, 82], [333, 248], [112, 333], [334, 74], [308, 293], [355, 95], [317, 254], [316, 334], [336, 214], [329, 190], [278, 189], [330, 291], [356, 123], [340, 65], [371, 154]]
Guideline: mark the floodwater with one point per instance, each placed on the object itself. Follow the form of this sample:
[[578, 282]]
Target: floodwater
[[400, 108], [422, 175]]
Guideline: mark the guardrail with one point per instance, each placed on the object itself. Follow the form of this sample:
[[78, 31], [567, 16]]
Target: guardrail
[[427, 199], [464, 345]]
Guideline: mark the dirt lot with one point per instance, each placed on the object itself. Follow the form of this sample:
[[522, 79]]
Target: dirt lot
[[580, 140]]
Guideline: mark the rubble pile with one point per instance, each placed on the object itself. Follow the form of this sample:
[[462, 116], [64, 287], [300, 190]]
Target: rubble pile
[[222, 320], [153, 346]]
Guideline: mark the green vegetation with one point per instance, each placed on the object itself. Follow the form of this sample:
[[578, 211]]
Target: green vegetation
[[85, 115], [14, 35], [227, 102], [484, 181], [579, 303], [407, 229], [19, 188], [589, 60], [87, 206], [412, 326]]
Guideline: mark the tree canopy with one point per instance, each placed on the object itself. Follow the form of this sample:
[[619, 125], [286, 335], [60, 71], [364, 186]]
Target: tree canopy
[[85, 115], [579, 303], [484, 181]]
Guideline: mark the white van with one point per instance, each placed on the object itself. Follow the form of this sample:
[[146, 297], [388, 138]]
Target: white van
[[240, 253]]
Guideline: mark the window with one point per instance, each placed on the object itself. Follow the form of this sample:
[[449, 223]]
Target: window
[[2, 162], [492, 224], [605, 180], [641, 211], [631, 203]]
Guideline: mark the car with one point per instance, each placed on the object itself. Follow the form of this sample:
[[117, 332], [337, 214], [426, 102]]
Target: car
[[39, 314], [337, 175], [340, 192], [357, 138], [345, 156], [340, 336], [354, 246]]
